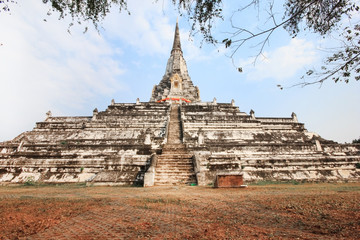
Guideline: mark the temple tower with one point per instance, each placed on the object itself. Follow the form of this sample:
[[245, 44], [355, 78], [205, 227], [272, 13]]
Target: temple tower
[[176, 84]]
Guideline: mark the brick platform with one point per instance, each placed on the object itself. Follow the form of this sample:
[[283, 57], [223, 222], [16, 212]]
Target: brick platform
[[229, 181]]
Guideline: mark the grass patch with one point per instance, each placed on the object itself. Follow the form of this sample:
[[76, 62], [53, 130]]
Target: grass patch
[[30, 181], [268, 182], [34, 184]]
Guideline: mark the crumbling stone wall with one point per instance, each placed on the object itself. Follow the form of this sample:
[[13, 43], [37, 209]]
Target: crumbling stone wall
[[277, 149], [113, 146]]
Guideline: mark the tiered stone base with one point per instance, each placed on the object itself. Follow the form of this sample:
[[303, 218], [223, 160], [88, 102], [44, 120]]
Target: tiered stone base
[[170, 145]]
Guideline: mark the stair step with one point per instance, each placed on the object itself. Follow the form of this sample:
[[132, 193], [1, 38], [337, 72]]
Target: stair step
[[175, 164], [177, 181], [174, 148], [165, 178], [174, 183], [184, 165], [175, 153], [176, 156], [176, 171], [175, 160], [176, 168], [166, 166], [173, 179]]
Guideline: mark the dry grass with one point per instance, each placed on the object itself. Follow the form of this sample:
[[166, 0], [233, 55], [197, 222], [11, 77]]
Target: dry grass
[[305, 211]]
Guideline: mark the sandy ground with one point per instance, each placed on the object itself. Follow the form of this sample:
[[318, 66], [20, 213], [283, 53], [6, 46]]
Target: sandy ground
[[280, 211]]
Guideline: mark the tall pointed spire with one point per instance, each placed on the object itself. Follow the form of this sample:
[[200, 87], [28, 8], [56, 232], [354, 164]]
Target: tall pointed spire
[[176, 44], [176, 84]]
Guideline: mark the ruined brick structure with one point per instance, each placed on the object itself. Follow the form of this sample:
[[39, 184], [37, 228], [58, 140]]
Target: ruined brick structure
[[174, 139]]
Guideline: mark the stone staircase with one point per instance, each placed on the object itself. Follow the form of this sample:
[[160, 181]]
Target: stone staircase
[[175, 164]]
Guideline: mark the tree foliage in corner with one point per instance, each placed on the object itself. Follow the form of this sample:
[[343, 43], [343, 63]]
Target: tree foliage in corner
[[356, 140], [344, 63], [318, 16], [201, 14], [4, 5], [323, 17], [93, 11]]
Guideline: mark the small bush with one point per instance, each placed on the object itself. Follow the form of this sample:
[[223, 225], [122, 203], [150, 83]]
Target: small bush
[[30, 181], [271, 182], [357, 165]]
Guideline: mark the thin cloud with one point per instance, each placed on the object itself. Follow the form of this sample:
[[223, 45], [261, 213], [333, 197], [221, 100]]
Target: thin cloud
[[42, 67], [281, 63], [141, 30]]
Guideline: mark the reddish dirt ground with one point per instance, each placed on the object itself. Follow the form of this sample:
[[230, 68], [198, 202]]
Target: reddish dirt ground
[[281, 211]]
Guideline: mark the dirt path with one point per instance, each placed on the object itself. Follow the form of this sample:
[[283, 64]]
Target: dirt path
[[284, 211]]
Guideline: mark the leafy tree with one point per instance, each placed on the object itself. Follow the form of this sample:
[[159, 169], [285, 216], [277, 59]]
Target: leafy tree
[[356, 140], [318, 16], [93, 11], [4, 5], [344, 62]]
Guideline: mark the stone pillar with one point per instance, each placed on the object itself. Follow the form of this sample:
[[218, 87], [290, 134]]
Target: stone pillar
[[19, 148], [137, 101], [147, 137], [182, 115], [318, 145], [232, 102], [214, 101], [197, 93], [95, 113], [149, 176], [112, 102], [252, 114], [294, 117], [201, 178], [48, 115], [200, 137]]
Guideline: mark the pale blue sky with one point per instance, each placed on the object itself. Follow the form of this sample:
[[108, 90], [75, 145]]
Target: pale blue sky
[[45, 68]]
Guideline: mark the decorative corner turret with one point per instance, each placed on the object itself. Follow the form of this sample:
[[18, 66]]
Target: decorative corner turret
[[294, 117], [48, 115], [214, 101], [252, 114], [95, 113]]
